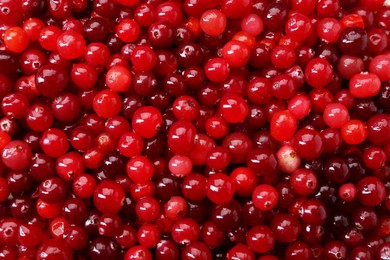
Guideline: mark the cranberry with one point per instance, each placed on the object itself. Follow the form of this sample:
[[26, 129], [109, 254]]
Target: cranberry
[[109, 197], [199, 250], [371, 191], [51, 79], [52, 249], [283, 120], [194, 129], [308, 144], [16, 155], [220, 188], [260, 239], [313, 212], [213, 22], [318, 73], [353, 40]]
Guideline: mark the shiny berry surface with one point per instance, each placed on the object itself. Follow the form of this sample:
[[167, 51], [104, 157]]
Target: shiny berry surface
[[195, 129]]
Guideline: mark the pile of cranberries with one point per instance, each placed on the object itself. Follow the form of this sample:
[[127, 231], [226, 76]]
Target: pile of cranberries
[[195, 129]]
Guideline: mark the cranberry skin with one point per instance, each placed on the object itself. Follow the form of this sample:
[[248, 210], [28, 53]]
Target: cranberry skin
[[103, 248], [335, 250], [260, 239], [265, 197], [107, 103], [52, 190], [29, 235], [180, 165], [146, 121], [143, 58], [185, 231], [374, 158], [140, 169], [335, 115], [54, 249], [167, 250], [130, 144], [379, 129], [245, 181], [51, 79], [220, 188], [54, 142], [353, 41], [108, 197], [71, 45], [313, 212], [11, 12], [236, 53], [233, 108], [9, 231], [217, 70], [147, 209], [15, 106], [383, 250], [226, 217], [136, 252], [380, 65], [329, 29], [287, 228], [349, 65], [361, 252], [262, 161], [371, 191], [275, 16], [354, 132], [76, 237], [308, 144], [181, 137], [281, 121], [16, 155], [194, 187], [197, 250], [336, 170], [211, 235], [318, 73], [213, 22], [240, 251], [39, 117], [364, 85], [298, 250], [18, 182], [84, 186], [304, 181]]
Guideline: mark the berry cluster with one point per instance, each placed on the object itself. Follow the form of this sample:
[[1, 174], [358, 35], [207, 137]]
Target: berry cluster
[[194, 129]]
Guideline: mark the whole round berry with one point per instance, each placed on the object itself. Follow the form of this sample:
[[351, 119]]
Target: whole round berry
[[108, 197], [16, 155], [370, 191], [265, 197], [146, 121]]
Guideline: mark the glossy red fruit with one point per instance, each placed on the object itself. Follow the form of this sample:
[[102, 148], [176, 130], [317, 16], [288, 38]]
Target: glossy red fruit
[[54, 249], [280, 122], [370, 191], [107, 103], [146, 121], [109, 197], [16, 155], [265, 197], [233, 108], [71, 45], [260, 239], [318, 73], [220, 188]]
